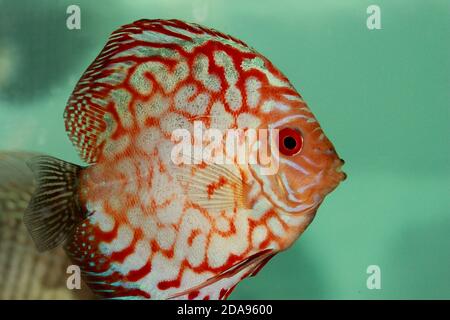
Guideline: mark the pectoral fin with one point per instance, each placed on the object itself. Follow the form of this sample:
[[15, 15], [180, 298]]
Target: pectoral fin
[[213, 186]]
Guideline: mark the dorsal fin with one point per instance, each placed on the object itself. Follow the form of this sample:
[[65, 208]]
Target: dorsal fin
[[99, 105], [54, 210]]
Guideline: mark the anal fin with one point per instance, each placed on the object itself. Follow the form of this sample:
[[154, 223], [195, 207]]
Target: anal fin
[[221, 285]]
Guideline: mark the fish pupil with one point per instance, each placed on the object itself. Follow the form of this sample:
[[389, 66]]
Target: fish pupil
[[290, 142]]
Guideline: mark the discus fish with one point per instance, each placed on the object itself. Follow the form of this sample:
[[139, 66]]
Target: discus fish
[[139, 222], [24, 272]]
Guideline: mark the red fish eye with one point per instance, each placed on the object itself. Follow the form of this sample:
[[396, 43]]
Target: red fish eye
[[290, 141]]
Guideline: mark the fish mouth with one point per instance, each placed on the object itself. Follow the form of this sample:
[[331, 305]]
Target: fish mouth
[[335, 176], [342, 174]]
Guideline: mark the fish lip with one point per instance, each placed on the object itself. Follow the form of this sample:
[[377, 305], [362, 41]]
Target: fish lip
[[342, 174]]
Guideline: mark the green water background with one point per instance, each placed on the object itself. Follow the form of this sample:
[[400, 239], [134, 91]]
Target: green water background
[[382, 96]]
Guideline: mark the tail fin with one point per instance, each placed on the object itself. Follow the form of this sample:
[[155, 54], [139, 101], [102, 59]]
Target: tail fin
[[54, 210]]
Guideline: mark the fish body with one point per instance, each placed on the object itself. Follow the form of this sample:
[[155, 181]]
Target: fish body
[[142, 225]]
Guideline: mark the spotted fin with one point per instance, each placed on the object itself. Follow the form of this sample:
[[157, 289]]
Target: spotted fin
[[54, 210]]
